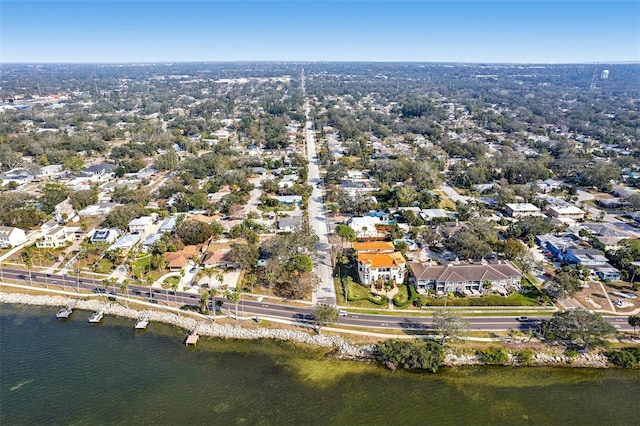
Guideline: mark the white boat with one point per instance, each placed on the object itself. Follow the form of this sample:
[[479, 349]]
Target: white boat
[[96, 317]]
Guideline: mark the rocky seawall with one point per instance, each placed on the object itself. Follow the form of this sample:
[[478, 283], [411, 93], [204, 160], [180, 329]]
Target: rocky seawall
[[343, 348], [205, 327]]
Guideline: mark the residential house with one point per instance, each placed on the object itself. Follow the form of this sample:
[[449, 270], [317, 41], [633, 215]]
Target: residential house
[[364, 227], [374, 246], [586, 257], [621, 191], [168, 225], [105, 235], [374, 266], [288, 224], [565, 212], [125, 242], [607, 233], [11, 237], [608, 273], [289, 200], [104, 169], [558, 244], [140, 225], [19, 176], [430, 214], [181, 258], [64, 212], [522, 210], [465, 278], [218, 259], [150, 240], [287, 181], [58, 236], [176, 260], [99, 209]]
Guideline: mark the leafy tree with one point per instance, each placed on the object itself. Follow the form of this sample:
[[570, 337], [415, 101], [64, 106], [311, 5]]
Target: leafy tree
[[578, 325], [120, 216], [300, 263], [423, 355], [513, 249], [565, 283], [52, 195], [634, 321], [81, 199], [325, 314], [448, 323], [193, 232], [244, 255], [74, 164], [346, 232], [468, 245]]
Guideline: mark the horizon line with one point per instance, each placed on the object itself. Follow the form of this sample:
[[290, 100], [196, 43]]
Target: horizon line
[[168, 62]]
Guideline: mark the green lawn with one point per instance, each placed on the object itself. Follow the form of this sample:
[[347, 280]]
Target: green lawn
[[104, 266]]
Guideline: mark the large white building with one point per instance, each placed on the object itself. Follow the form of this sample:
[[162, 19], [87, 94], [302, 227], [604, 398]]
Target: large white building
[[364, 227], [11, 237], [374, 266], [522, 209]]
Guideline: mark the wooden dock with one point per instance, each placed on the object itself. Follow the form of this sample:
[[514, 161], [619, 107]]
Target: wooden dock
[[192, 339], [65, 312], [96, 317], [143, 321]]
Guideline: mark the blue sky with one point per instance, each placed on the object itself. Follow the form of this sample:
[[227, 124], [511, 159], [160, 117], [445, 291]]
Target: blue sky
[[330, 30]]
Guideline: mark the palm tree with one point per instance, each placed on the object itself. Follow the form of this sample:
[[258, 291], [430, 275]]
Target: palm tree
[[124, 288], [174, 287], [234, 297], [204, 299], [220, 278], [214, 292], [209, 273]]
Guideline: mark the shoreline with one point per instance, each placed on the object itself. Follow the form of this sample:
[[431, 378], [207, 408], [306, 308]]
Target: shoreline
[[344, 348]]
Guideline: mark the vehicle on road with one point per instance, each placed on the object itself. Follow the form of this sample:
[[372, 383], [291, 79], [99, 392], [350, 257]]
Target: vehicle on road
[[342, 313], [306, 317], [523, 319]]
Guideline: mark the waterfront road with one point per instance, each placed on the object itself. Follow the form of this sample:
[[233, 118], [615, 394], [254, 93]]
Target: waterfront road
[[252, 308]]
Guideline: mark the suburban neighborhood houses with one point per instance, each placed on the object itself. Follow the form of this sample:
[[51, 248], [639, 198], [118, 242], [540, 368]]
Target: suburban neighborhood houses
[[406, 199]]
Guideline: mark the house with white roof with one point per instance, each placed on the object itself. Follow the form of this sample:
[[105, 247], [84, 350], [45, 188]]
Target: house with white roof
[[106, 235], [58, 236], [364, 227], [11, 237], [522, 209], [140, 225], [565, 212]]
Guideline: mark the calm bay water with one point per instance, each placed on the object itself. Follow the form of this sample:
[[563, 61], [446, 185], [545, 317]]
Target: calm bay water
[[69, 372]]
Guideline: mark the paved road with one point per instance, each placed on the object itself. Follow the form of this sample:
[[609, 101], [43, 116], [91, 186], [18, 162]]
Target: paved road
[[249, 308], [325, 291], [451, 193]]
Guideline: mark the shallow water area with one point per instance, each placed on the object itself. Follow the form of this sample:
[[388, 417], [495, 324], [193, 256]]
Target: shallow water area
[[71, 372]]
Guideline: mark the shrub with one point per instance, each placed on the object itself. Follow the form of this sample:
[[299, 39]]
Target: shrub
[[494, 356], [423, 355], [405, 298], [526, 356], [622, 358]]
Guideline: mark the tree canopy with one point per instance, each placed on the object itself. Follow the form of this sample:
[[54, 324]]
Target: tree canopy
[[416, 355], [578, 325]]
